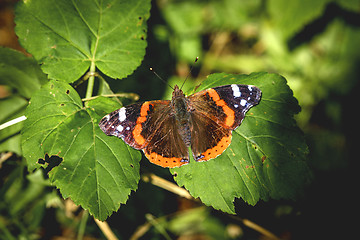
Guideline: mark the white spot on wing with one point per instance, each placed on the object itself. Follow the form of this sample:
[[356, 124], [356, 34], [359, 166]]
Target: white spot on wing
[[250, 88], [236, 106], [120, 128], [128, 128], [107, 117], [122, 114], [236, 90], [243, 102]]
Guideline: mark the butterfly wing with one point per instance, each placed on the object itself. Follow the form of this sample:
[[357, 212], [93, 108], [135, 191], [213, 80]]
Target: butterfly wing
[[208, 138], [166, 147], [216, 112], [123, 123], [149, 126]]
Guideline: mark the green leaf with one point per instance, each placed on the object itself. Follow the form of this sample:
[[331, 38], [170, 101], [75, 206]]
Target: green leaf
[[20, 72], [350, 5], [96, 171], [66, 36], [266, 158], [197, 221], [23, 76], [290, 16], [11, 108]]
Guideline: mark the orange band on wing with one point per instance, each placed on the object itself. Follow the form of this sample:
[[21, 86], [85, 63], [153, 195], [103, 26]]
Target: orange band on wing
[[213, 94], [144, 109], [230, 114], [164, 161], [139, 139], [217, 150]]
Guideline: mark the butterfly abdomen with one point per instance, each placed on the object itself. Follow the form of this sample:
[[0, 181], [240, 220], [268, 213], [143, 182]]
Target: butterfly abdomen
[[182, 118]]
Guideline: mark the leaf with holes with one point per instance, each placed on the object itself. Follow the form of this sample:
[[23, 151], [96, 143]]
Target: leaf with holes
[[66, 36], [96, 171], [266, 157]]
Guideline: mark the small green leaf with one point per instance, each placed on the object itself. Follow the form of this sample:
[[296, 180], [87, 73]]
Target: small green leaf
[[67, 36], [266, 157], [96, 171], [20, 72]]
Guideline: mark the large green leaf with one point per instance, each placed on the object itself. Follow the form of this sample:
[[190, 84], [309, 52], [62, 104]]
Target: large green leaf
[[266, 157], [96, 171], [66, 36]]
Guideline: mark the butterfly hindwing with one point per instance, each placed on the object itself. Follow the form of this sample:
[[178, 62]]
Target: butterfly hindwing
[[208, 138], [166, 147]]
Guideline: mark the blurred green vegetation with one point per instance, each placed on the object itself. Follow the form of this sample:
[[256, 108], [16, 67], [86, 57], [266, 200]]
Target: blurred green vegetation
[[313, 44]]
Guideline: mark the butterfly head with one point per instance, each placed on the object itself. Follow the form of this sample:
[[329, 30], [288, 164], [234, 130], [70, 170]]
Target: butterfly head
[[177, 93]]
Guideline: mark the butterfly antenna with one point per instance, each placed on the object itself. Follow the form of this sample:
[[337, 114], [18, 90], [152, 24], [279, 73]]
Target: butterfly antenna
[[152, 70], [197, 58]]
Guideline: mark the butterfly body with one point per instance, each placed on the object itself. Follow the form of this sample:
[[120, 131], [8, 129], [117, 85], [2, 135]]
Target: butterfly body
[[182, 114], [166, 129]]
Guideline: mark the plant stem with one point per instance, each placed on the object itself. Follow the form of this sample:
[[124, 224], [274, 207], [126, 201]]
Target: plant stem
[[91, 81], [12, 122], [106, 230], [82, 226]]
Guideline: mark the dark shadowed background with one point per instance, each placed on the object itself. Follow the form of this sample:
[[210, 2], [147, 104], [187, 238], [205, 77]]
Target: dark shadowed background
[[313, 44]]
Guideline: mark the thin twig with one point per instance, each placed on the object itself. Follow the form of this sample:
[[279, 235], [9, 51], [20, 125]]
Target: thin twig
[[155, 222], [70, 208], [4, 157], [167, 185], [105, 228], [162, 183], [82, 225], [140, 231], [132, 96], [260, 229], [256, 227], [152, 221], [12, 122]]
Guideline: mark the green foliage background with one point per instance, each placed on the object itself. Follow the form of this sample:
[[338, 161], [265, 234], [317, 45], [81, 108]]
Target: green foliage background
[[313, 44]]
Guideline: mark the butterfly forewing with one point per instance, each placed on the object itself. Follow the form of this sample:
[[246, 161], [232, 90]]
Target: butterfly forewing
[[121, 123]]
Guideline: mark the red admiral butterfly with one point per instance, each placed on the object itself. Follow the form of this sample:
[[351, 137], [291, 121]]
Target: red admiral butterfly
[[165, 129]]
